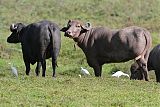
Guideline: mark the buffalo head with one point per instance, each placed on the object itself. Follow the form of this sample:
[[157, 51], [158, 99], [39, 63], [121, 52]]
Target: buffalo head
[[75, 28], [136, 72], [15, 36]]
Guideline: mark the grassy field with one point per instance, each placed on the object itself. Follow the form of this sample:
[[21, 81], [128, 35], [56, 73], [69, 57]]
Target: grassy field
[[68, 89]]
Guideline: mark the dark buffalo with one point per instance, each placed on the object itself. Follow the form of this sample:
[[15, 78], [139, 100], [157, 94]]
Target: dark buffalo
[[103, 45], [152, 64], [39, 41]]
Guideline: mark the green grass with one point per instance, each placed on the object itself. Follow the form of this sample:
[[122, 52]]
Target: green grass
[[75, 91], [68, 89]]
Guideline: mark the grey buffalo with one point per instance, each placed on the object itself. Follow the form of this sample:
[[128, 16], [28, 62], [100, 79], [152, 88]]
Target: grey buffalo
[[39, 41], [152, 64], [103, 45]]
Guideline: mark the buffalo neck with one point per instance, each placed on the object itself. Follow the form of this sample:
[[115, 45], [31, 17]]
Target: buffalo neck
[[20, 34], [82, 39]]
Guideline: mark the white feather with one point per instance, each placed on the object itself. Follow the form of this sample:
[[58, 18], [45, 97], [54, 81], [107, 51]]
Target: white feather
[[119, 73], [84, 71]]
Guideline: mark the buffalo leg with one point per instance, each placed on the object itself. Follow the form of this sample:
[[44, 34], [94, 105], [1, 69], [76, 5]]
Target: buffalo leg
[[141, 75], [157, 76], [54, 58], [27, 64], [95, 65], [38, 68], [97, 70], [54, 67], [43, 62], [143, 66]]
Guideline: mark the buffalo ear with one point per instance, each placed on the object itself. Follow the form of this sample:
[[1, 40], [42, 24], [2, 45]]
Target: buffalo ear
[[69, 21], [64, 29], [20, 26], [13, 27], [87, 26]]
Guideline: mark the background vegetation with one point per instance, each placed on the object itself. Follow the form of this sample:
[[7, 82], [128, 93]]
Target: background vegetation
[[68, 89]]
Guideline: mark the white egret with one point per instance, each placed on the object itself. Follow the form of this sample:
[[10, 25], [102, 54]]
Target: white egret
[[84, 71], [14, 70], [119, 73]]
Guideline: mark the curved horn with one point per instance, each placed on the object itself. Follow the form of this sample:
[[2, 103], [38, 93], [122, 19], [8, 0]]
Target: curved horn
[[12, 27]]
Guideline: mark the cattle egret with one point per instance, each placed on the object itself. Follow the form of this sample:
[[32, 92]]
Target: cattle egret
[[84, 71], [14, 70], [119, 73]]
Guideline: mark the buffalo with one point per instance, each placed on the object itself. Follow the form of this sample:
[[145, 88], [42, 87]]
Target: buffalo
[[39, 41], [152, 64], [104, 45]]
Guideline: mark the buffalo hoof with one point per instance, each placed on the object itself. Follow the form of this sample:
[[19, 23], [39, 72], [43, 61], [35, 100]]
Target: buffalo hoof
[[27, 74], [37, 74], [54, 78]]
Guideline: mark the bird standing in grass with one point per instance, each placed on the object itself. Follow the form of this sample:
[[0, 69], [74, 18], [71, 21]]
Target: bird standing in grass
[[14, 70], [84, 71], [119, 73]]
